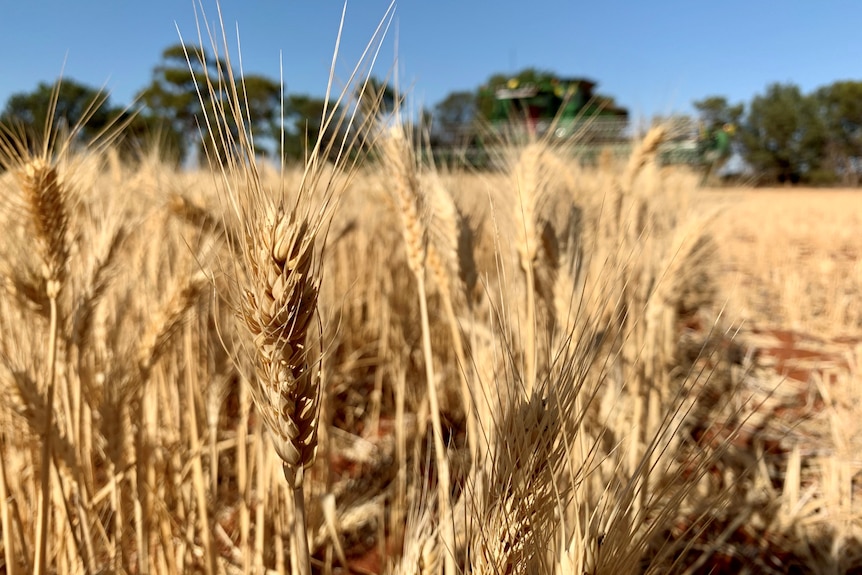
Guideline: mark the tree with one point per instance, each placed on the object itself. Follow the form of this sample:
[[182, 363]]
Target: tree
[[171, 100], [839, 105], [453, 117], [78, 107], [716, 112], [302, 125], [378, 96], [783, 138], [144, 135], [85, 114], [262, 103]]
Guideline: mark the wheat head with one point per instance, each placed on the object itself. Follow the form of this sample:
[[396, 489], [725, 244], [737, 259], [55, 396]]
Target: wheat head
[[277, 308], [46, 201], [400, 162]]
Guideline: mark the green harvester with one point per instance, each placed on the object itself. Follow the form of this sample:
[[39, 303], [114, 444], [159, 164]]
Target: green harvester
[[568, 110]]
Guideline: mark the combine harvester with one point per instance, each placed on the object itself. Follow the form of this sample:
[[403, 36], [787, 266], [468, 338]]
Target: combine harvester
[[567, 111]]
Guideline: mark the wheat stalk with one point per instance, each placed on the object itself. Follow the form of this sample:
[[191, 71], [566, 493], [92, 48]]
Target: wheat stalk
[[442, 260], [6, 518], [411, 199], [277, 265], [45, 197], [644, 152], [277, 304], [529, 177], [166, 322]]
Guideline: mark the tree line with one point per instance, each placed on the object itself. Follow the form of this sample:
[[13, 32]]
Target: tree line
[[786, 136], [782, 135], [167, 113]]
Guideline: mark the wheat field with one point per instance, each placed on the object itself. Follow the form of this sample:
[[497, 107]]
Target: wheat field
[[371, 365]]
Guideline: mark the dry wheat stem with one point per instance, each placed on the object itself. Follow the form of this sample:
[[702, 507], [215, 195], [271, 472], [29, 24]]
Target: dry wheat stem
[[442, 258], [46, 199], [158, 334], [197, 464], [278, 279], [39, 561], [5, 517], [446, 525], [442, 280], [528, 175], [401, 164], [279, 297], [644, 152]]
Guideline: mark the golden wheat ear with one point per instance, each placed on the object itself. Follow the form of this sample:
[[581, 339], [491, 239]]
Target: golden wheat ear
[[46, 201], [279, 304]]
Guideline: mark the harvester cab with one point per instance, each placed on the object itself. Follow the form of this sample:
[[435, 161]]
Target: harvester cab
[[568, 106]]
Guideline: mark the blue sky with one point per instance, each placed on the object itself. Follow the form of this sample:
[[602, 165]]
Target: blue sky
[[653, 57]]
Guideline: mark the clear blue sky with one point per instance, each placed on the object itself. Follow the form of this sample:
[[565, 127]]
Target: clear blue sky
[[653, 57]]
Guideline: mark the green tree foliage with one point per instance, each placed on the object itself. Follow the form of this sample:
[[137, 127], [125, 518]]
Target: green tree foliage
[[77, 106], [453, 117], [83, 112], [376, 103], [263, 100], [171, 98], [378, 95], [171, 102], [715, 112], [302, 126], [840, 108], [788, 136], [144, 135], [783, 136]]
